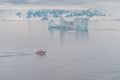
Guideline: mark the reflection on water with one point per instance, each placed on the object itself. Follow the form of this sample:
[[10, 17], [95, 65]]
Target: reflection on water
[[81, 34]]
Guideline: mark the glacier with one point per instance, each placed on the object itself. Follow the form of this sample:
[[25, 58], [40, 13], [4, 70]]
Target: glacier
[[46, 14], [69, 19], [65, 19]]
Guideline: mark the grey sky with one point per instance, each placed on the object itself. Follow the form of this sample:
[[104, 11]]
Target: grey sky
[[55, 1], [95, 3]]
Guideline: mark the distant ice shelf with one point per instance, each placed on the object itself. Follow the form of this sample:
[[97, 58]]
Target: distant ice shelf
[[46, 14]]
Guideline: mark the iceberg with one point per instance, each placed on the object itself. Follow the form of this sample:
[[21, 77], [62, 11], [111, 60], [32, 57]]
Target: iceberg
[[75, 24], [81, 23]]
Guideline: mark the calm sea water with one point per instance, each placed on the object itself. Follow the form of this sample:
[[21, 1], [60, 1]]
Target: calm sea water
[[90, 54]]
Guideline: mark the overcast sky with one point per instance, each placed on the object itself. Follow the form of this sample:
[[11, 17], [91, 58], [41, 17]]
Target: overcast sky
[[80, 3]]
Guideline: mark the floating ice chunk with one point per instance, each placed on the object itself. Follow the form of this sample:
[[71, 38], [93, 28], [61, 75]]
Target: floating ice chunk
[[76, 23], [81, 22]]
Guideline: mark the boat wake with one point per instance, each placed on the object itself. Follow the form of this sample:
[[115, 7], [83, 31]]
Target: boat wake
[[11, 54]]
